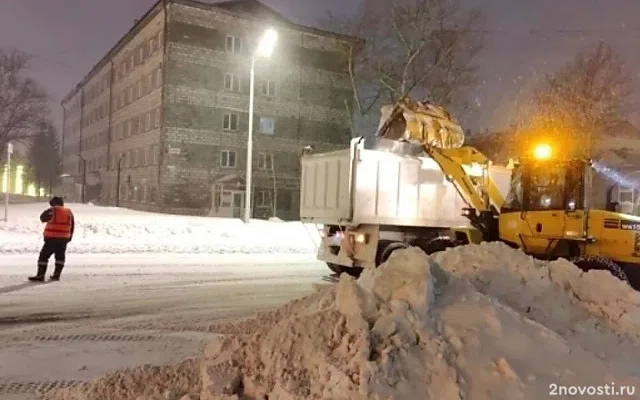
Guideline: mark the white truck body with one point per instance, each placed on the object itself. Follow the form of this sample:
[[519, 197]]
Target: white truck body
[[378, 196], [358, 186]]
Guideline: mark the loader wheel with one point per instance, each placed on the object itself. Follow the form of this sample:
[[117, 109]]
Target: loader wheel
[[339, 269], [595, 262], [393, 246], [439, 244]]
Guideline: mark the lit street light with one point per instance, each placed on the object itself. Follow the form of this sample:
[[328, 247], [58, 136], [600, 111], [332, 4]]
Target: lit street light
[[264, 49]]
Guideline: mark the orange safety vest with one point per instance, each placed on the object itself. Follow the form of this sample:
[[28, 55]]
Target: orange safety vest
[[59, 226]]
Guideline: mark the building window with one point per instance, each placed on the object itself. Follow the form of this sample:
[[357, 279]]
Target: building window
[[142, 159], [145, 86], [267, 125], [135, 125], [231, 82], [125, 127], [228, 159], [147, 121], [265, 161], [263, 198], [156, 123], [151, 156], [234, 44], [268, 88], [230, 122], [153, 118]]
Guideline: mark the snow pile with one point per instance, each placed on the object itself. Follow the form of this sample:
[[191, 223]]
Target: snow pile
[[556, 294], [411, 330], [143, 383], [118, 230]]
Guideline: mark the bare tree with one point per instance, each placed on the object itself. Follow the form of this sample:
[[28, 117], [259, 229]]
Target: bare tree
[[411, 48], [585, 99], [23, 103], [45, 163]]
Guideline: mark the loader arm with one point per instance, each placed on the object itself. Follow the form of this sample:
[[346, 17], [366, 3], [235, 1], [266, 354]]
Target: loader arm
[[479, 192]]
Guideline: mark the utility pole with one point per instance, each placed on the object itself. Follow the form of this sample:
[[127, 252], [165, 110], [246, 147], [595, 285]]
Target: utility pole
[[84, 176], [118, 182], [6, 195]]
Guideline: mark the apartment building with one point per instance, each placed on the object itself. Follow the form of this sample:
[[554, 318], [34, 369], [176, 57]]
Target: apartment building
[[161, 122]]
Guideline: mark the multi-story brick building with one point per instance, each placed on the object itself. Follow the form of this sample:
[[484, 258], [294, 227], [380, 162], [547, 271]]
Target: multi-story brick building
[[169, 105]]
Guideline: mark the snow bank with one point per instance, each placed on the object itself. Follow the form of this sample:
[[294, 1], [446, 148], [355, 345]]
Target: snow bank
[[412, 330], [117, 230]]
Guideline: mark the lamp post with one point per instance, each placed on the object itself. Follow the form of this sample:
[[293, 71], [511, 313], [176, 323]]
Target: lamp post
[[118, 181], [84, 176], [264, 49]]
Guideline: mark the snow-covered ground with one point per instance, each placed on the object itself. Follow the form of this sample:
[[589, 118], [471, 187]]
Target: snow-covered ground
[[128, 310], [118, 230]]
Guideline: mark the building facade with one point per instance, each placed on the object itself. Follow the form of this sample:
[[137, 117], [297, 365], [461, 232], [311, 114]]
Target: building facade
[[161, 123]]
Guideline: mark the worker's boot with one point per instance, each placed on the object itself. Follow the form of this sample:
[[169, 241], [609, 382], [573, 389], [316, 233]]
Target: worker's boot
[[57, 271], [42, 270]]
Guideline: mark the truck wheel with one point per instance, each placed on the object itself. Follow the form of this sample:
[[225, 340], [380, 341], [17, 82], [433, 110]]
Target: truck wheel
[[439, 244], [393, 246], [595, 262], [339, 269]]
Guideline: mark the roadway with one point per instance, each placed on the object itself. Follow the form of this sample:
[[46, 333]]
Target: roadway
[[113, 311]]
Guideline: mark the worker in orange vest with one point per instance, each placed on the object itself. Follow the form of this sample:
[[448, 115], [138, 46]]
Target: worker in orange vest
[[58, 232]]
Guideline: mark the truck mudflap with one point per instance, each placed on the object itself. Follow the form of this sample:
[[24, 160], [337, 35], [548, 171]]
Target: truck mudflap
[[349, 246]]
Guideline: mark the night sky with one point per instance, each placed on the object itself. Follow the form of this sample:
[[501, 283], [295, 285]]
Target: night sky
[[527, 39]]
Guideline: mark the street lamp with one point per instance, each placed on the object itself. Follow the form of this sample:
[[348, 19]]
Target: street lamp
[[264, 49], [84, 176], [118, 180]]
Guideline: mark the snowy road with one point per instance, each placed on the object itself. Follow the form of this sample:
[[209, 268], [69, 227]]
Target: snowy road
[[112, 311]]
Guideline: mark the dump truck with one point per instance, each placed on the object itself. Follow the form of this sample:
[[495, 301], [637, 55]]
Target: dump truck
[[420, 186]]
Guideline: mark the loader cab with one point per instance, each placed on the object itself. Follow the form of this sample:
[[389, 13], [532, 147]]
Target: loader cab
[[545, 207], [544, 185]]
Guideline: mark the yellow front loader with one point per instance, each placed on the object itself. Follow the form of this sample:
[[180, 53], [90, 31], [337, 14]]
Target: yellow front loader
[[550, 210]]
